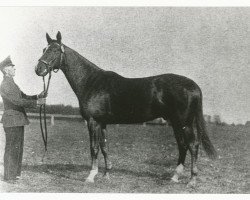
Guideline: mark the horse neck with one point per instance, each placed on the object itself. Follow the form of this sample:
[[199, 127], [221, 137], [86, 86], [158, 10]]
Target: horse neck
[[77, 70]]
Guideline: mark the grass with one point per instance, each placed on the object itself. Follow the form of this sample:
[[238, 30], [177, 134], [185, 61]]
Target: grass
[[143, 158]]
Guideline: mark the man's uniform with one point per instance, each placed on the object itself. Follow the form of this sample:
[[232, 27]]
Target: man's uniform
[[14, 118]]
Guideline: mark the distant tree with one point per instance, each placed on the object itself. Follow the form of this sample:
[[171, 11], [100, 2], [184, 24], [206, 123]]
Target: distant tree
[[207, 118], [223, 124], [217, 119]]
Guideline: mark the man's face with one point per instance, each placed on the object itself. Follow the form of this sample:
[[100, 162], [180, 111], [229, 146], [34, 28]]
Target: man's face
[[10, 71]]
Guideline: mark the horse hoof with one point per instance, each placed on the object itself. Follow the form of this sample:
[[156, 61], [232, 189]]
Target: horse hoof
[[88, 180], [175, 179], [192, 184]]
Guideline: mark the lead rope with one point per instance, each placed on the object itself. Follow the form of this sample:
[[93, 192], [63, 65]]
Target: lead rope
[[44, 130], [43, 106]]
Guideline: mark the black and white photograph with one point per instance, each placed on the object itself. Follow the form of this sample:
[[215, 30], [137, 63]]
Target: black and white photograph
[[125, 99]]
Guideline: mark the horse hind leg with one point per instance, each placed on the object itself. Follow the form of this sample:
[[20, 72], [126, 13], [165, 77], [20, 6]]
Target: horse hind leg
[[104, 149], [182, 147], [192, 141], [94, 134]]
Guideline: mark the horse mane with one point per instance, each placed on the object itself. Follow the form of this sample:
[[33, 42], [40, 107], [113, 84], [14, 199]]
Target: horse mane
[[77, 69], [82, 60]]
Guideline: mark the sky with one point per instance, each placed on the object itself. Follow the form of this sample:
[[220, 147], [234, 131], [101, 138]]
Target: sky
[[209, 45]]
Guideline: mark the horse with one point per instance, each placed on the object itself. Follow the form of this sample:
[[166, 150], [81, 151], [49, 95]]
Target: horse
[[106, 97]]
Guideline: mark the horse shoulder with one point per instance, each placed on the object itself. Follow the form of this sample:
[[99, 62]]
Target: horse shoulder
[[98, 104]]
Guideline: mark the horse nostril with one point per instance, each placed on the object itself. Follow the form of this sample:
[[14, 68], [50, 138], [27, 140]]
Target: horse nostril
[[40, 70], [36, 69]]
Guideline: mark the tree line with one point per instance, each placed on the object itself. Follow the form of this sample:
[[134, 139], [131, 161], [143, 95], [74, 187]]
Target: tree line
[[53, 109]]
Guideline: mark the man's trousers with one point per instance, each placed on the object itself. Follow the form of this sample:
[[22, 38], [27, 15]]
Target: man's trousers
[[13, 152]]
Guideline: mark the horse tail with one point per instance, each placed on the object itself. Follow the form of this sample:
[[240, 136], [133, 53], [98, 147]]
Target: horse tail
[[202, 132]]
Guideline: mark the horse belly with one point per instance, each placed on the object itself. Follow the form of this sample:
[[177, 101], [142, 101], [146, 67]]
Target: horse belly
[[129, 113]]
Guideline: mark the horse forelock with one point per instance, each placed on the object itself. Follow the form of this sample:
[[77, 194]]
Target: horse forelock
[[49, 45], [46, 48]]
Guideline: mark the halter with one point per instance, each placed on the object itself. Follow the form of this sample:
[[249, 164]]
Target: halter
[[49, 68], [48, 64]]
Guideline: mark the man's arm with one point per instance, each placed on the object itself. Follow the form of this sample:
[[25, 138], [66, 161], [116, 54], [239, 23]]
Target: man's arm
[[29, 97], [11, 94]]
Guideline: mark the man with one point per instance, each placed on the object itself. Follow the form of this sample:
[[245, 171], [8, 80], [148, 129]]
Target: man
[[14, 118]]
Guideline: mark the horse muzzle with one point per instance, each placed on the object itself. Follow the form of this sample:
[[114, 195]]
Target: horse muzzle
[[41, 69]]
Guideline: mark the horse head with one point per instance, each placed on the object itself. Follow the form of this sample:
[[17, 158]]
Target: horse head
[[53, 56]]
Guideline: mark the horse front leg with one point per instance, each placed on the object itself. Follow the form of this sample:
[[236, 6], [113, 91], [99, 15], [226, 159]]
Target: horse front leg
[[104, 149], [94, 134]]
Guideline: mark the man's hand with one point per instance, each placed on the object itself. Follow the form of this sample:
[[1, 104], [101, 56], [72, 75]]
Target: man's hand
[[41, 101], [43, 94]]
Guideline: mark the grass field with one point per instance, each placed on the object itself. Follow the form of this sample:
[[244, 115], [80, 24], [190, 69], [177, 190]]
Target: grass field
[[143, 158]]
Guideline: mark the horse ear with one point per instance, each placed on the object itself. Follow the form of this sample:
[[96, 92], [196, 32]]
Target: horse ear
[[59, 37], [49, 40]]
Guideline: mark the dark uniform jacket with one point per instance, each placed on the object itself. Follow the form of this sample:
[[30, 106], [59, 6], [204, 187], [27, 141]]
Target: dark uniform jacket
[[15, 101]]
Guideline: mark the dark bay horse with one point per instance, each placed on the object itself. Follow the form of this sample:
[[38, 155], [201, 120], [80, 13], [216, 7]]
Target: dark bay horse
[[108, 98]]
